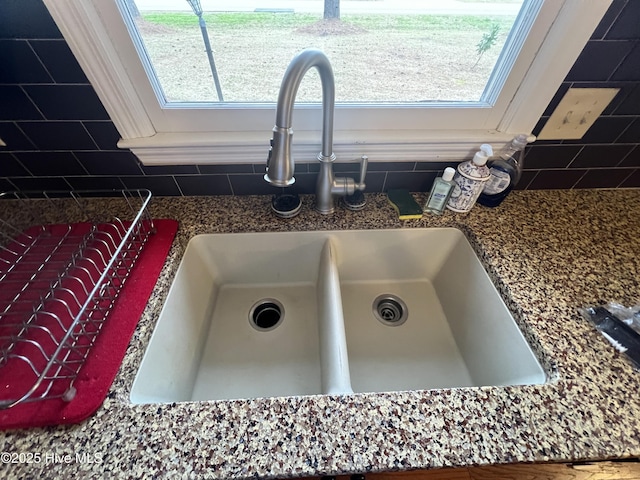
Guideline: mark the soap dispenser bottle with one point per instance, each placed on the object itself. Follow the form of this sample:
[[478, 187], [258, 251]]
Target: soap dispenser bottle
[[469, 180], [506, 170]]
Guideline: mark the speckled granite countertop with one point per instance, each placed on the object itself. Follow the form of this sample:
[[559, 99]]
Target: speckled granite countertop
[[547, 251]]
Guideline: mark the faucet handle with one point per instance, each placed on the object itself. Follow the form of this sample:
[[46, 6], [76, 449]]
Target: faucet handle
[[364, 161]]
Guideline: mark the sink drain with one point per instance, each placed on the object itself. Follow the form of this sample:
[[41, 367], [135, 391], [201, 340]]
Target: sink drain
[[266, 314], [390, 310]]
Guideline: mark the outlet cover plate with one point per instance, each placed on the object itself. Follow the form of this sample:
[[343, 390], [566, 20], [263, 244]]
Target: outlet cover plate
[[576, 112]]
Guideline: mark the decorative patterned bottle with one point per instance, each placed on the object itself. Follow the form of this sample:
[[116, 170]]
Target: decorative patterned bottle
[[469, 179]]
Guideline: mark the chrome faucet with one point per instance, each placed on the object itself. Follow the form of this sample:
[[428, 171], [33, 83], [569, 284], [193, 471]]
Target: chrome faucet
[[280, 163]]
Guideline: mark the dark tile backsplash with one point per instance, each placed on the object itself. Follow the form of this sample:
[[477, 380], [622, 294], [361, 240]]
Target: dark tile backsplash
[[59, 136]]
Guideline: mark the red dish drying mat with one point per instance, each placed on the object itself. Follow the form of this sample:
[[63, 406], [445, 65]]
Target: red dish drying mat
[[101, 366]]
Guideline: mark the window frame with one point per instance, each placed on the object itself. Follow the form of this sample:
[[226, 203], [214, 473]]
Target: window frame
[[237, 133]]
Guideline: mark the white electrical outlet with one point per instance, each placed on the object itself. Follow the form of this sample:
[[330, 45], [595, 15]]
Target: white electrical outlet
[[576, 112]]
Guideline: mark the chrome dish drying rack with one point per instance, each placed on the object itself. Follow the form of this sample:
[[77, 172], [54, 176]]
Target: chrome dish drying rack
[[63, 263]]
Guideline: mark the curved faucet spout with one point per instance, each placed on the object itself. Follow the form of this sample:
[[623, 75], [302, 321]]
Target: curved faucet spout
[[280, 163], [294, 74]]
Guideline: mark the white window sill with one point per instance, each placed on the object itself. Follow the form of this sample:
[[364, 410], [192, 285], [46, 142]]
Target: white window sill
[[252, 147]]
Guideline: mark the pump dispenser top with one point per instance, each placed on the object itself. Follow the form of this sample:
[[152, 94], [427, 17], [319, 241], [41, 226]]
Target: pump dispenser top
[[482, 155], [476, 168]]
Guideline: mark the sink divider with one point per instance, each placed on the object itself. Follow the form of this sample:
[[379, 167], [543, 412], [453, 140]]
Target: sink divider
[[334, 359]]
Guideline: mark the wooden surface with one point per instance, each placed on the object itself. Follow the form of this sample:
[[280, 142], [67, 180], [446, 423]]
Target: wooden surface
[[623, 470]]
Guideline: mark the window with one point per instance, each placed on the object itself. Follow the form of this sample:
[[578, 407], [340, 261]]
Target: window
[[541, 47], [381, 52]]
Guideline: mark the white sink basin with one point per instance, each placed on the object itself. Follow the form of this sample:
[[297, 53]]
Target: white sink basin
[[457, 331], [277, 314], [204, 346]]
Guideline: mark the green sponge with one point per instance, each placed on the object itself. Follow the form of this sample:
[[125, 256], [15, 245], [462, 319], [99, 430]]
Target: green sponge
[[404, 204]]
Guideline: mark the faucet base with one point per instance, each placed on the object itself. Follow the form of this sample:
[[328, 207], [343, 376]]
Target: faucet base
[[286, 205], [355, 202], [324, 211]]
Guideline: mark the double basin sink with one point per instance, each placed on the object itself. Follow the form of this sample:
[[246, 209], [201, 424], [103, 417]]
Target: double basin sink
[[332, 312]]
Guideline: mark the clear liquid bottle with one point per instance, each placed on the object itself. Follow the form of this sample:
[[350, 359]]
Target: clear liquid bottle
[[440, 192], [506, 170]]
